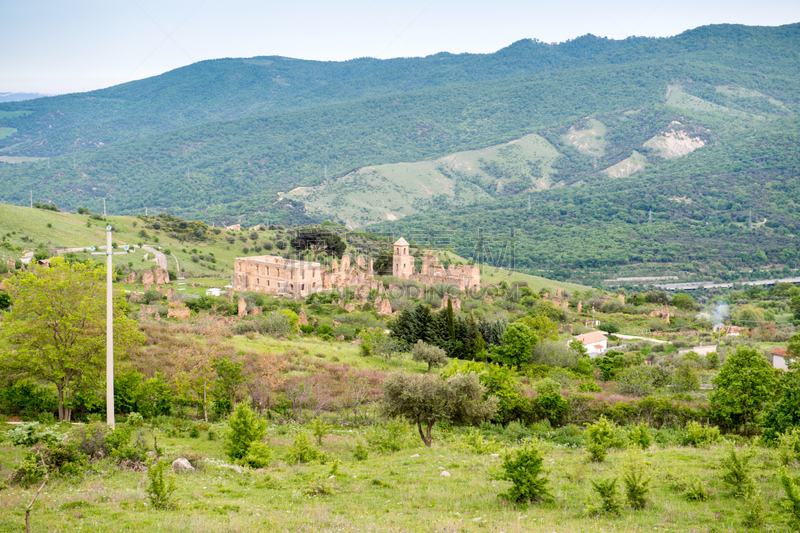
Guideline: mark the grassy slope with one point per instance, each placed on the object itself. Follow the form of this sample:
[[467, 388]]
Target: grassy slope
[[384, 493], [390, 192], [70, 231]]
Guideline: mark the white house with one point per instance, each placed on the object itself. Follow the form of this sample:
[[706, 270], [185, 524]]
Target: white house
[[595, 342], [780, 359]]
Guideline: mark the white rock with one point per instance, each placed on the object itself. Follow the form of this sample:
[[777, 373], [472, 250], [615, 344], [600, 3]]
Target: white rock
[[415, 456], [445, 473], [332, 477], [181, 465], [495, 455], [441, 468]]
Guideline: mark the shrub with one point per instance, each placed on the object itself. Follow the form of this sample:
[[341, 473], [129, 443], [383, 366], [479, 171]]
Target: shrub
[[600, 437], [244, 428], [609, 498], [701, 436], [753, 510], [636, 479], [258, 455], [159, 491], [303, 450], [589, 386], [792, 502], [194, 432], [737, 471], [30, 471], [639, 436], [473, 441], [552, 407], [29, 433], [548, 386], [134, 420], [695, 490], [360, 452], [523, 468], [123, 446], [390, 436], [789, 447], [319, 429]]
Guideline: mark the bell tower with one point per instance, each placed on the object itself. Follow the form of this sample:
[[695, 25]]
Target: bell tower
[[402, 262]]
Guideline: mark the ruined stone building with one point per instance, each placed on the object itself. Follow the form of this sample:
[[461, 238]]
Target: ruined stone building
[[275, 275], [432, 273], [271, 274]]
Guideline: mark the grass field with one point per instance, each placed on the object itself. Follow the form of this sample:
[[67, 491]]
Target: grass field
[[401, 491]]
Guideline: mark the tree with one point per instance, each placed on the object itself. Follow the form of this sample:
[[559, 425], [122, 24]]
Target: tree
[[426, 399], [518, 343], [793, 348], [244, 429], [319, 240], [56, 331], [425, 353], [684, 301], [784, 413], [745, 384]]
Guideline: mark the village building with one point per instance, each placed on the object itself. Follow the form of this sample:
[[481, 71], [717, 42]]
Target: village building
[[595, 342], [780, 359]]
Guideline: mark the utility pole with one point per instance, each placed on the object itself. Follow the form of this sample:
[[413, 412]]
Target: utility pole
[[104, 207], [109, 326]]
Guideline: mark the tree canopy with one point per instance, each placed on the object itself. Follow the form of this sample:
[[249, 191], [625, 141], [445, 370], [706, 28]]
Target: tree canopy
[[56, 330], [426, 399], [744, 385]]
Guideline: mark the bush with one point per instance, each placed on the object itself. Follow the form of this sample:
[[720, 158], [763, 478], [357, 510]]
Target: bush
[[523, 468], [737, 471], [30, 471], [552, 407], [600, 437], [259, 455], [159, 491], [792, 502], [29, 433], [701, 436], [390, 436], [609, 498], [696, 490], [789, 447], [360, 452], [589, 386], [303, 450], [123, 446], [639, 436], [319, 429], [244, 428], [636, 479]]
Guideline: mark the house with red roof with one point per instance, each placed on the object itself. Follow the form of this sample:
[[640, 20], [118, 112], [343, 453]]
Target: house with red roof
[[595, 342], [780, 359]]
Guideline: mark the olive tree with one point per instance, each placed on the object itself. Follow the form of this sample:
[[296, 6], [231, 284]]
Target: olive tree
[[426, 399], [427, 353]]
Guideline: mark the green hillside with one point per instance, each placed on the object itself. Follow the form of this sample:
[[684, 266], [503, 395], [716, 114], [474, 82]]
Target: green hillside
[[693, 123]]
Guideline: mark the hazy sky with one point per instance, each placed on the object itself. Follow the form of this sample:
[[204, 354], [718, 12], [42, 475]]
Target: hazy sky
[[58, 46]]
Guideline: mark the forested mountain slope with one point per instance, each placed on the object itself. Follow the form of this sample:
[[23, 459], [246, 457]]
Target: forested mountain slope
[[689, 133]]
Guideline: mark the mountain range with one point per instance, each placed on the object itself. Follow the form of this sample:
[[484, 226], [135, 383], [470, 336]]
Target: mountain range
[[646, 155]]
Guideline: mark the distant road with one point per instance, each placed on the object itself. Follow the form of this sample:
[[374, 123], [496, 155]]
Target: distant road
[[161, 259], [631, 337], [707, 285]]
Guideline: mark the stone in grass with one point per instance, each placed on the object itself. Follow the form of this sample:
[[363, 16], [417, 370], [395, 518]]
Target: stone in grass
[[181, 465], [444, 473], [415, 456]]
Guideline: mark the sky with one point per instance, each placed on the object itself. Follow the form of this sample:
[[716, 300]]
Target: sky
[[57, 46]]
